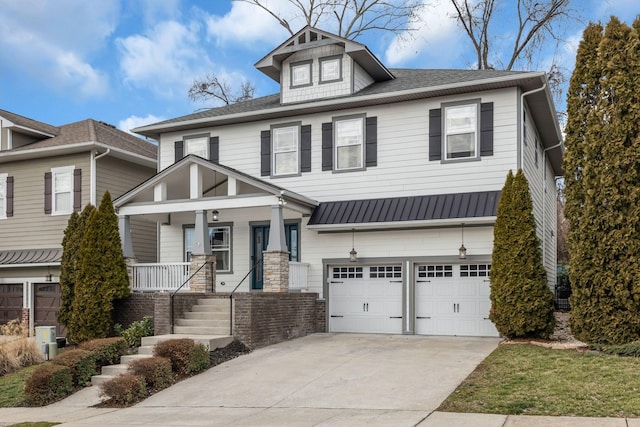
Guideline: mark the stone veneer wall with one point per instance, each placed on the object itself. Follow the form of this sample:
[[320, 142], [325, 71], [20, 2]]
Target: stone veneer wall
[[260, 318]]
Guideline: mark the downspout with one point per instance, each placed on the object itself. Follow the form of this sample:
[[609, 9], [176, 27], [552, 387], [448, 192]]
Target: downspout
[[522, 95], [92, 195]]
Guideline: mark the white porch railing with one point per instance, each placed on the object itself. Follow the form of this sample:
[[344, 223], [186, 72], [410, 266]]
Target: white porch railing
[[298, 275], [168, 276], [165, 276]]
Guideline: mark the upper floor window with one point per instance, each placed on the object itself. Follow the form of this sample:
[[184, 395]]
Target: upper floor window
[[286, 146], [62, 190], [3, 195], [330, 68], [349, 143], [197, 145], [461, 131], [301, 73], [220, 239]]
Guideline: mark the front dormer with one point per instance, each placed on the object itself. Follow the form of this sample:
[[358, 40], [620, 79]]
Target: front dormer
[[314, 65], [17, 131]]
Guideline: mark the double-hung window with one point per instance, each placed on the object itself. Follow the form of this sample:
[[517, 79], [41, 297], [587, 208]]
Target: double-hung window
[[349, 143], [62, 190], [197, 145], [461, 131], [3, 195], [286, 149], [330, 69], [220, 240], [301, 73]]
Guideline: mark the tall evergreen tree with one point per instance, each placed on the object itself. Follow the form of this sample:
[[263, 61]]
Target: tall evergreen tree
[[603, 185], [102, 276], [69, 265], [521, 301]]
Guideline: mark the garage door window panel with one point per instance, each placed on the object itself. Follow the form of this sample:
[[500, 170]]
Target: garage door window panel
[[347, 273], [434, 271], [388, 271], [475, 270]]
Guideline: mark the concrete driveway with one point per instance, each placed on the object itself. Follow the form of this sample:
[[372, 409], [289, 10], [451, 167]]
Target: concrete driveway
[[322, 379]]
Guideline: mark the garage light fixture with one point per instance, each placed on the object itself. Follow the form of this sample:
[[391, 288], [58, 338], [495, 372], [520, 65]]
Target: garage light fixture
[[462, 251], [214, 215], [48, 277], [353, 255]]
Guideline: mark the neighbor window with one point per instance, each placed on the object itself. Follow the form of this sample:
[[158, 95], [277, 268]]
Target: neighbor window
[[349, 137], [62, 190], [198, 145], [330, 69], [3, 195], [301, 74], [285, 149], [220, 239], [461, 131]]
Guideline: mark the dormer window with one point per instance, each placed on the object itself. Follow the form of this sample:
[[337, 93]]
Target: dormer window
[[197, 145], [301, 73], [331, 69]]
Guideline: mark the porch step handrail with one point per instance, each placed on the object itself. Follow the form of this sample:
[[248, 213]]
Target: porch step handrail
[[173, 294], [234, 291]]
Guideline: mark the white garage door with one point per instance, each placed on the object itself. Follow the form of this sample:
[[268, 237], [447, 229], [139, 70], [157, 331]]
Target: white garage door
[[365, 299], [453, 299]]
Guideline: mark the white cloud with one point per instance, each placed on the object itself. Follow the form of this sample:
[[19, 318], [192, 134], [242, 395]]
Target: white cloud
[[436, 44], [165, 60], [246, 23], [133, 122], [52, 40]]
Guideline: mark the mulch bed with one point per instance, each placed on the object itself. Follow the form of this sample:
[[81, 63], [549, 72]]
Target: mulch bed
[[231, 351]]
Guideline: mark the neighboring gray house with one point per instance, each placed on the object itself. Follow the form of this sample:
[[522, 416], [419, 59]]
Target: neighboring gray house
[[378, 185], [47, 172]]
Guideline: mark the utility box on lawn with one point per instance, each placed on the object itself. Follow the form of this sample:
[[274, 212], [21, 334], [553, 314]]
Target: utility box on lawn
[[46, 340]]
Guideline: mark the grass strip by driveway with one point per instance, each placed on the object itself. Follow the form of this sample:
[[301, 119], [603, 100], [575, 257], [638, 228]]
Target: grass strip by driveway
[[531, 380], [12, 387]]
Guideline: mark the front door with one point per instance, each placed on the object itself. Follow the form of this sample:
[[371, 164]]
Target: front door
[[259, 242]]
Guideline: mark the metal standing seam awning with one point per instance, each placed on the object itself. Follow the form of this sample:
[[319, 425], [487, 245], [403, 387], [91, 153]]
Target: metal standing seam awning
[[30, 257]]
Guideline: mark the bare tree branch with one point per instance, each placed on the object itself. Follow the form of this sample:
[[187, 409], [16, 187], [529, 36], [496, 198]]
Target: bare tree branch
[[211, 87]]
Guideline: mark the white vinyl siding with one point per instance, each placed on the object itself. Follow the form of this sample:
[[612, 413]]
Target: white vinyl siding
[[3, 195], [62, 190]]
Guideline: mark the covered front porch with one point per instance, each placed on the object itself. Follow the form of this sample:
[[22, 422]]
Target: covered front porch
[[246, 231]]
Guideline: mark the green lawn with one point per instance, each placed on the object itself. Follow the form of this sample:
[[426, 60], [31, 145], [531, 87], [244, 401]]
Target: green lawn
[[530, 380], [12, 387]]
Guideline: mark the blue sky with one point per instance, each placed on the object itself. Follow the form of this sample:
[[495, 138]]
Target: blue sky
[[131, 62]]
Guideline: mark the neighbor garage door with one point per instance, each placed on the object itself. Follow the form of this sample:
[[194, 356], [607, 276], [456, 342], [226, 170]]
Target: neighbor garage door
[[453, 299], [47, 305], [365, 299], [10, 302]]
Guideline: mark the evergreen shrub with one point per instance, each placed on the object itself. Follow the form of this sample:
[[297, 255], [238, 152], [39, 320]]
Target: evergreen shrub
[[48, 383], [134, 333], [81, 363], [185, 355], [156, 372], [107, 351], [125, 389]]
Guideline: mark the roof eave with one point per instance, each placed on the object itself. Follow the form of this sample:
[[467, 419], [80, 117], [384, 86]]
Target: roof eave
[[432, 223]]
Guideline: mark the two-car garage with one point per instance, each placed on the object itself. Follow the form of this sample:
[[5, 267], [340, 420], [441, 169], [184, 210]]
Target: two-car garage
[[411, 297]]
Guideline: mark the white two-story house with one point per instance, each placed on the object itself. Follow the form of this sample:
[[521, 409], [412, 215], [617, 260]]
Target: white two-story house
[[380, 184]]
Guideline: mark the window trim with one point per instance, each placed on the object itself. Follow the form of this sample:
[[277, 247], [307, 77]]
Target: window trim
[[3, 200], [465, 103], [308, 63], [54, 207], [211, 225], [327, 59], [334, 121], [298, 126], [186, 138]]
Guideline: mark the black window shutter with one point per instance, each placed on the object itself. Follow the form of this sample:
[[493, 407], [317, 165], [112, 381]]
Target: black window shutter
[[77, 190], [435, 134], [486, 129], [214, 149], [179, 148], [9, 196], [305, 148], [371, 145], [327, 146], [47, 192], [265, 153]]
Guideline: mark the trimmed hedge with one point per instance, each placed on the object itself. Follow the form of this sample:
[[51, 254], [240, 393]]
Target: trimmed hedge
[[107, 351], [134, 333], [156, 372], [82, 364], [125, 389], [48, 383], [187, 357]]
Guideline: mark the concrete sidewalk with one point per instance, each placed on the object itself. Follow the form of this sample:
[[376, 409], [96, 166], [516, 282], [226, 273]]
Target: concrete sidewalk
[[322, 379]]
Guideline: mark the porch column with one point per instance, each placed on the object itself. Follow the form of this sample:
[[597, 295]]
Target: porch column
[[204, 279], [276, 258], [124, 226]]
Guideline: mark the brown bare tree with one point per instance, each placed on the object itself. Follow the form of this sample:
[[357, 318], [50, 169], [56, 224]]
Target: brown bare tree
[[349, 18], [211, 87]]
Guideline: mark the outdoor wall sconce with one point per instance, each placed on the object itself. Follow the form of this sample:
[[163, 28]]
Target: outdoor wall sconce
[[214, 215], [48, 277], [462, 251]]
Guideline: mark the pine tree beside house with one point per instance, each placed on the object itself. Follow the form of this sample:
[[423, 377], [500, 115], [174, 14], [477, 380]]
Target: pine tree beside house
[[521, 301]]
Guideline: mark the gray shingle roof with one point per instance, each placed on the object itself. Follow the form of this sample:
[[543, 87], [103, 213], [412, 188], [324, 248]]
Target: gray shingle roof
[[406, 79], [29, 123], [415, 208], [90, 130], [30, 256]]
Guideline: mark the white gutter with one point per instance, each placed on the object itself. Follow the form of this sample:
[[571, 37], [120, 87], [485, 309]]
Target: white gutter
[[94, 189], [39, 264], [522, 95], [486, 220]]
